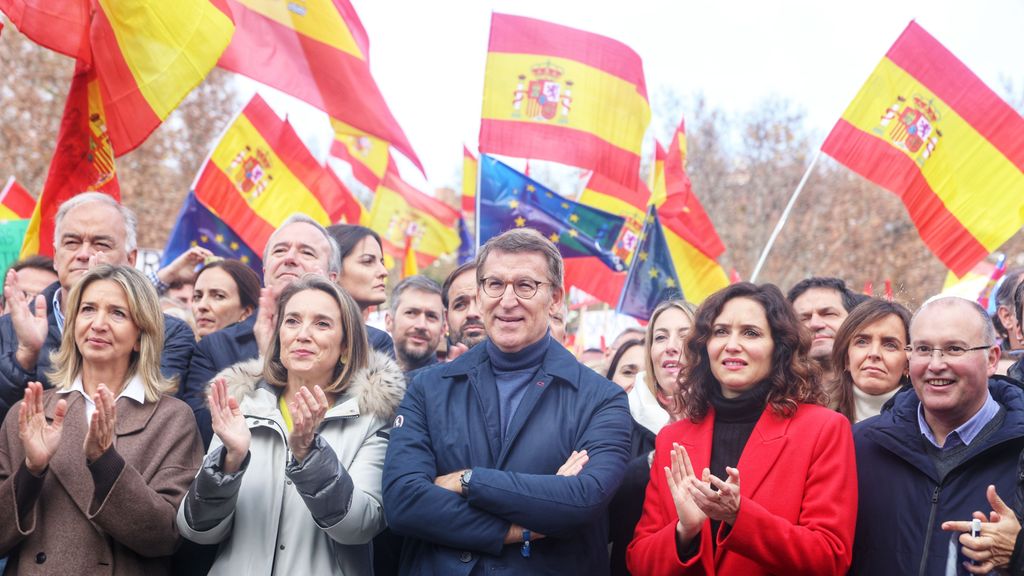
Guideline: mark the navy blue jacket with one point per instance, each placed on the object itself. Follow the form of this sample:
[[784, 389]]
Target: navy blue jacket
[[902, 504], [227, 347], [179, 342], [449, 421]]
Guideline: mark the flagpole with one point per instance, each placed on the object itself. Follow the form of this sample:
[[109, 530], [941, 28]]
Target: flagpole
[[784, 217]]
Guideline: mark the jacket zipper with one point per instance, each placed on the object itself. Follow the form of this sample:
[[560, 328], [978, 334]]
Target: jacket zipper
[[288, 456], [929, 529]]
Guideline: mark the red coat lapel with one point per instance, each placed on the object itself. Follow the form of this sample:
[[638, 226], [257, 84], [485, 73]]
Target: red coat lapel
[[763, 448]]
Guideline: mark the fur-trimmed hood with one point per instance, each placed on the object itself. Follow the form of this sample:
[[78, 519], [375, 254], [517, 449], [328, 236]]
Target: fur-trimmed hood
[[379, 388]]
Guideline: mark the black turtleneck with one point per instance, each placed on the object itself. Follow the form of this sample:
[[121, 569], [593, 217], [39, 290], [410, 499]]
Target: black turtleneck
[[735, 419]]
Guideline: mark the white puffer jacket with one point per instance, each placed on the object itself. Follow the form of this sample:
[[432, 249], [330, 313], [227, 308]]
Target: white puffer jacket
[[272, 517]]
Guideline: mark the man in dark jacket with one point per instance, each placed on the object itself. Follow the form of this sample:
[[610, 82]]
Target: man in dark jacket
[[504, 460], [300, 245], [931, 458], [91, 228]]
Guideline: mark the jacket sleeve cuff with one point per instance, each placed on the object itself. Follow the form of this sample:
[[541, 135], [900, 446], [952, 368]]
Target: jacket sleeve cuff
[[324, 484], [104, 471], [27, 487], [1016, 567], [214, 493]]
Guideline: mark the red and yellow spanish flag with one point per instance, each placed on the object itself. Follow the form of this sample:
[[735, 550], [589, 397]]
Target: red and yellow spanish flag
[[341, 205], [561, 94], [691, 238], [83, 160], [927, 129], [15, 202], [676, 202], [408, 219], [369, 157], [147, 55], [470, 167], [260, 173], [317, 52]]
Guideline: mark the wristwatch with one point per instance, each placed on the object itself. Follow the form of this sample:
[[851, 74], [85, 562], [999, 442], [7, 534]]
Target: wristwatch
[[464, 479]]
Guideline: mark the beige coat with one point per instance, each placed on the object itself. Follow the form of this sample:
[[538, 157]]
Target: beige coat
[[133, 530]]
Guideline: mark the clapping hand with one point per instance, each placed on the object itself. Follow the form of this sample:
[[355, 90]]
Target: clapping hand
[[679, 477], [30, 326], [266, 318], [718, 499], [308, 410], [100, 436], [229, 426], [39, 438]]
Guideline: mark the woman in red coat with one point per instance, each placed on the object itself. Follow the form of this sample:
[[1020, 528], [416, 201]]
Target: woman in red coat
[[752, 411]]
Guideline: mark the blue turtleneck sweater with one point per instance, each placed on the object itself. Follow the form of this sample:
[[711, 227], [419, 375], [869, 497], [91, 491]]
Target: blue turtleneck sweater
[[513, 373]]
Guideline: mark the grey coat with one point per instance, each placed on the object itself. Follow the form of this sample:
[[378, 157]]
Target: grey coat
[[275, 516]]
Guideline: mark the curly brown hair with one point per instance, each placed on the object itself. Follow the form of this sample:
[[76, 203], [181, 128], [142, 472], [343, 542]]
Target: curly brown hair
[[793, 377]]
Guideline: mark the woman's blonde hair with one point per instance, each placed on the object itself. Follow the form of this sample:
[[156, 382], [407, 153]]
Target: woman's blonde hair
[[355, 349], [144, 309], [687, 309]]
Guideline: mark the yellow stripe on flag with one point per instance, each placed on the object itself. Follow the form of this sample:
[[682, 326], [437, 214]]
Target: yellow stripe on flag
[[8, 214], [972, 192], [699, 276], [609, 203], [391, 217], [292, 195], [316, 19], [601, 104], [168, 46]]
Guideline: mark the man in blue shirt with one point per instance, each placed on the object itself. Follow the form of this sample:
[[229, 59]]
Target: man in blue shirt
[[933, 455], [505, 459]]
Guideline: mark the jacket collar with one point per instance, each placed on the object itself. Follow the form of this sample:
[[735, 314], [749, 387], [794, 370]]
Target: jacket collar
[[759, 455], [132, 415], [558, 363], [898, 430], [377, 389]]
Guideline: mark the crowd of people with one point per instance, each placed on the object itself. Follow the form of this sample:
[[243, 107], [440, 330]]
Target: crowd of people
[[204, 420]]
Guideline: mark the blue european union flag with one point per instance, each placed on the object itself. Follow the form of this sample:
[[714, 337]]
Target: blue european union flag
[[196, 225], [652, 277], [467, 249], [509, 199]]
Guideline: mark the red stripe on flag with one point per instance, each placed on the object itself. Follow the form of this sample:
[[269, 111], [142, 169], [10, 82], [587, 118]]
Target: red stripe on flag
[[130, 118], [595, 278], [341, 85], [18, 200], [214, 189], [535, 140], [931, 64], [890, 168], [520, 35], [341, 203], [636, 198], [359, 170], [420, 201]]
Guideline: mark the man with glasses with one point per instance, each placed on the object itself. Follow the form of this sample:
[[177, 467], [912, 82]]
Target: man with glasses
[[932, 457], [504, 460]]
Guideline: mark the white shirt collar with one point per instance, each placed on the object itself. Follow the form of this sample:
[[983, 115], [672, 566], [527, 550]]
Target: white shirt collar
[[134, 389]]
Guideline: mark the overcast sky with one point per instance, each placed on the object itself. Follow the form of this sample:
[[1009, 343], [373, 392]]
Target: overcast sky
[[428, 57]]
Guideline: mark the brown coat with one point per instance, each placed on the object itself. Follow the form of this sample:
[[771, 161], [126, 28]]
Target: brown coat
[[133, 530]]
